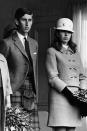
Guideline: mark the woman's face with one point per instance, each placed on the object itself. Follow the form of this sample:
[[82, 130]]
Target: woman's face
[[64, 36]]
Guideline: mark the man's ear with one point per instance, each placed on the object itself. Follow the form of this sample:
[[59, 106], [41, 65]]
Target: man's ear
[[16, 22]]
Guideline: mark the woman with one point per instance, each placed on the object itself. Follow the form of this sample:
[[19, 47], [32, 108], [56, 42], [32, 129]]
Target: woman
[[9, 30], [64, 70], [5, 91]]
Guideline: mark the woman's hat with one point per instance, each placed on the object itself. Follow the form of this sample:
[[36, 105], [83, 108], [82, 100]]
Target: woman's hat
[[65, 24]]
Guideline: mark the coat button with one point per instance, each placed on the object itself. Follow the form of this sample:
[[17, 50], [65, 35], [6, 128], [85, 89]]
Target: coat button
[[75, 76], [73, 60], [71, 77], [74, 69]]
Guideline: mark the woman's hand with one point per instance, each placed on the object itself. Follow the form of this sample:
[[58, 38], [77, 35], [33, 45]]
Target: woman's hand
[[69, 95], [7, 102]]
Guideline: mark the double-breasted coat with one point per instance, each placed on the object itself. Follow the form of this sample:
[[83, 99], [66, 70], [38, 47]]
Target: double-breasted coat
[[64, 68]]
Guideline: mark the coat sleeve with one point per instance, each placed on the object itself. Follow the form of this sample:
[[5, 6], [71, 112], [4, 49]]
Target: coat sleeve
[[82, 77], [52, 71], [3, 48]]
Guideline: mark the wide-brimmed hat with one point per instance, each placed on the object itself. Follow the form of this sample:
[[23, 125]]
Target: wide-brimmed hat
[[65, 24]]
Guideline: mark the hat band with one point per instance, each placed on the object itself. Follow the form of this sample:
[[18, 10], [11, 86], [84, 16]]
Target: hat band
[[66, 29]]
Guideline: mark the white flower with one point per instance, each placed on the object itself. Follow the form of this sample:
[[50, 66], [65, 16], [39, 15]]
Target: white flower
[[17, 111], [13, 128]]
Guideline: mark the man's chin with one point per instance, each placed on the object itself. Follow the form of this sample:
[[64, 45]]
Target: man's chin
[[26, 31]]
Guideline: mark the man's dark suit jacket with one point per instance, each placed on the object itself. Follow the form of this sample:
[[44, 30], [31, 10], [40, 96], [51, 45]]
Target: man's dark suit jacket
[[17, 59]]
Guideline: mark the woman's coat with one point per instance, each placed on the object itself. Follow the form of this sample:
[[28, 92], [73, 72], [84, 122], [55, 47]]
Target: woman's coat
[[64, 68], [5, 90]]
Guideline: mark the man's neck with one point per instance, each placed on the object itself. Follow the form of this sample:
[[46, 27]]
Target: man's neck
[[23, 33]]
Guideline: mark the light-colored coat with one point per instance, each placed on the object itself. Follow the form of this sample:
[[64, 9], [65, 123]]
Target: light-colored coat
[[5, 90], [5, 76], [63, 68]]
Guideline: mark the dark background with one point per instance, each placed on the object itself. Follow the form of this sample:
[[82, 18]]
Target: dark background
[[46, 13]]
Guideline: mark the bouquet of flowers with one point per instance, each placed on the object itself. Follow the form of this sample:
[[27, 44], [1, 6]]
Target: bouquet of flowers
[[81, 99], [17, 118], [81, 95]]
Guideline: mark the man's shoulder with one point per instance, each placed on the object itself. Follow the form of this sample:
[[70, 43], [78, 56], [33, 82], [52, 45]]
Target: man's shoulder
[[11, 37], [32, 40], [7, 39]]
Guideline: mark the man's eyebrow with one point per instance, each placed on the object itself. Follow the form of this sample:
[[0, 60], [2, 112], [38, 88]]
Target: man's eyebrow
[[26, 18]]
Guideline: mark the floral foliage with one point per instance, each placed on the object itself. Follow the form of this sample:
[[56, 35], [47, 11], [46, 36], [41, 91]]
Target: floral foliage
[[18, 118], [81, 95]]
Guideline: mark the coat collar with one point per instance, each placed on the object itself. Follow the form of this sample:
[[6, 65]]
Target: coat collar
[[66, 51]]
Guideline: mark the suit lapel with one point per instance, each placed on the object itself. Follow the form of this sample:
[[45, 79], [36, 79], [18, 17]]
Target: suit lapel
[[30, 45], [18, 43]]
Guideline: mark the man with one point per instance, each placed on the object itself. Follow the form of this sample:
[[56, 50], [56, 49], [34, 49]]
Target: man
[[22, 64]]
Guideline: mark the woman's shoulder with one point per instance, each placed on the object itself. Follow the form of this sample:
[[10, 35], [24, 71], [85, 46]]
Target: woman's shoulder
[[52, 50], [2, 58], [77, 52]]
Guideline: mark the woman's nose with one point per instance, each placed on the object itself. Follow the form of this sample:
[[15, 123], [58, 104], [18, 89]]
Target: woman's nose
[[66, 33]]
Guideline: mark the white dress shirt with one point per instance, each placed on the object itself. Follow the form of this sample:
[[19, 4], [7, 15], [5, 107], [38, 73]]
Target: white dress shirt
[[21, 37]]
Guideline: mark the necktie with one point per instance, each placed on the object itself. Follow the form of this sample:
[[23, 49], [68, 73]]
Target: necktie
[[31, 72], [27, 49]]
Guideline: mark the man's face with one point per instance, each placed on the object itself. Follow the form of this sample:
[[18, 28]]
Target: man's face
[[25, 23]]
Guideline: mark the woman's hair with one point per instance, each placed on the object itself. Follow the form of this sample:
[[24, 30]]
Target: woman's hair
[[9, 30], [58, 45]]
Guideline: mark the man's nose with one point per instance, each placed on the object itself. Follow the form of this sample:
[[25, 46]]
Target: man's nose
[[26, 22]]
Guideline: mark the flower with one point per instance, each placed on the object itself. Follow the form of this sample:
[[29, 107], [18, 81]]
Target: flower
[[16, 117]]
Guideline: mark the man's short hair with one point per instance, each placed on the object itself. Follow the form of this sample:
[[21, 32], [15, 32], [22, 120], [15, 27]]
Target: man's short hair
[[21, 12]]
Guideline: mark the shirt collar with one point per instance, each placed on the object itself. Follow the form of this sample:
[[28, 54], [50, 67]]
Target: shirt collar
[[21, 37], [65, 46], [66, 51]]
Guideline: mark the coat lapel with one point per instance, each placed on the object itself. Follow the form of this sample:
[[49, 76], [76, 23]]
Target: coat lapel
[[19, 44], [30, 45]]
